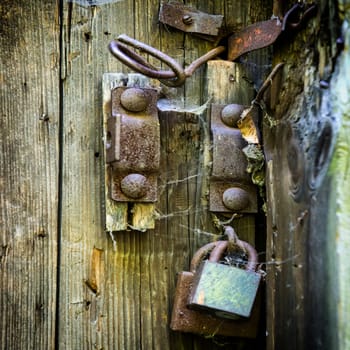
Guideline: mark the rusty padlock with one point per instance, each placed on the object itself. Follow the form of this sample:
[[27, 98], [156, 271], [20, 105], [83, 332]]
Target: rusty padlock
[[186, 320], [225, 290]]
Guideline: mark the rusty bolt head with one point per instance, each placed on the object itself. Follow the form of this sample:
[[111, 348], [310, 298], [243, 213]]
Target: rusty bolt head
[[134, 100], [187, 19], [231, 114], [134, 186], [235, 199]]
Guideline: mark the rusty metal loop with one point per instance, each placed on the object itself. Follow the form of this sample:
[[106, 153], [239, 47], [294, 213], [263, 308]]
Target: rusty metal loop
[[309, 12], [174, 77], [245, 246], [200, 254], [217, 253], [231, 234], [217, 249], [176, 69], [252, 255], [130, 58], [267, 83]]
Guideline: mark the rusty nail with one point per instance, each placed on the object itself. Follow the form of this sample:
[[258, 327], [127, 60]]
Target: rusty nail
[[134, 100], [231, 114], [235, 199], [187, 19], [134, 186]]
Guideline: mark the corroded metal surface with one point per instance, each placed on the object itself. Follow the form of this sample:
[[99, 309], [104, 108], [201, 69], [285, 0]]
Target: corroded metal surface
[[265, 33], [190, 20], [223, 290], [231, 114], [253, 37], [235, 198], [133, 144], [134, 186], [229, 164], [174, 77], [184, 319], [134, 99]]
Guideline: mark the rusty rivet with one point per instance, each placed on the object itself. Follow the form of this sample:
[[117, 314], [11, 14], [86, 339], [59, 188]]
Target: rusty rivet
[[187, 19], [231, 114], [235, 199], [134, 100], [134, 186]]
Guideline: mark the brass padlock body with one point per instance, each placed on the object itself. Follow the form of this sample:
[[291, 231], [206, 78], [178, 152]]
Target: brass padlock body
[[223, 290], [184, 319]]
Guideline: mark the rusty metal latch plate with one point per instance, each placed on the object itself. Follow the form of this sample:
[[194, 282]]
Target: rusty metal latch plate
[[187, 19], [231, 189], [253, 37], [133, 145]]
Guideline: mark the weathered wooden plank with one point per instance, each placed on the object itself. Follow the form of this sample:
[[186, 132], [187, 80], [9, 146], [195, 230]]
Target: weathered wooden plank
[[158, 247], [87, 315], [178, 206], [118, 294], [29, 175], [337, 204], [299, 138]]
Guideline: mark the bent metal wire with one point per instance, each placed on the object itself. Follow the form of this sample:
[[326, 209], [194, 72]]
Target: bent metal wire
[[174, 77]]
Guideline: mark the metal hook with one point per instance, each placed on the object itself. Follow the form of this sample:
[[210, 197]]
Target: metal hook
[[174, 77], [136, 62], [309, 12]]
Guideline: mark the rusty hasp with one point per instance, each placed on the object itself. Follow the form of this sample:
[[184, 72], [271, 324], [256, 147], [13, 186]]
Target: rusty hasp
[[133, 145], [231, 189], [190, 20], [253, 37], [184, 319], [265, 33]]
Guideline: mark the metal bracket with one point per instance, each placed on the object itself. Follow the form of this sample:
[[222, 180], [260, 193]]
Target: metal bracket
[[133, 145], [231, 189], [187, 19]]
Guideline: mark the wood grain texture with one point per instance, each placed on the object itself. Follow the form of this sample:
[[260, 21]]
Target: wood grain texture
[[29, 128], [300, 133], [84, 311], [115, 290]]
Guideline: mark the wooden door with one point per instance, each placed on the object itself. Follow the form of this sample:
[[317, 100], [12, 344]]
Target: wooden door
[[67, 283]]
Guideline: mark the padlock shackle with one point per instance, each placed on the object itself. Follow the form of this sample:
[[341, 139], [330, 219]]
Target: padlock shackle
[[231, 234], [217, 253], [200, 254], [219, 250], [252, 255]]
